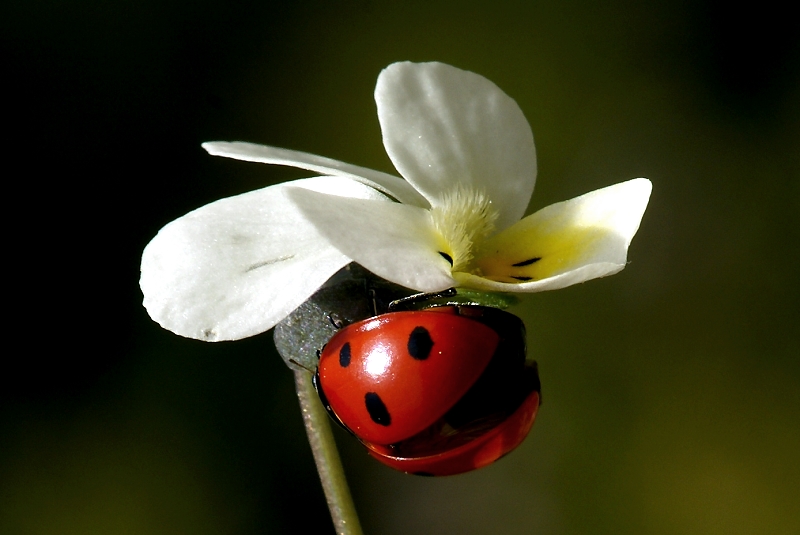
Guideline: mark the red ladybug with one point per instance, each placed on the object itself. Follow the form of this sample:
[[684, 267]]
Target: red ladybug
[[437, 391]]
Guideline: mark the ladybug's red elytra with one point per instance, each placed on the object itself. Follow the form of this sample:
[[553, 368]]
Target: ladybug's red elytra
[[438, 391]]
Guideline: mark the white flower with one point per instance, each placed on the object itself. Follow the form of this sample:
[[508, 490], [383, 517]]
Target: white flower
[[236, 267]]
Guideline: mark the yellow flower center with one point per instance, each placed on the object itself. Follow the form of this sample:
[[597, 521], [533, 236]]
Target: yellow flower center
[[464, 218]]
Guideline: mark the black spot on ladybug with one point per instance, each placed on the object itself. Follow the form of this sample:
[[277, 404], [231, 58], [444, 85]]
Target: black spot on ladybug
[[344, 355], [447, 257], [376, 409], [527, 262], [523, 279], [420, 343]]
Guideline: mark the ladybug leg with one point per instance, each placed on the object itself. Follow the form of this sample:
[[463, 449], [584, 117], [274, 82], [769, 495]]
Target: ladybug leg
[[373, 299], [300, 365], [335, 320]]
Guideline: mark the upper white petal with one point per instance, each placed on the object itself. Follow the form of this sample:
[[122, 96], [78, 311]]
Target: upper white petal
[[564, 243], [394, 241], [443, 126], [390, 185], [237, 266]]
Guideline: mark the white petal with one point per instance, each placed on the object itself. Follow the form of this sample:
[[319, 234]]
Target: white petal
[[443, 126], [565, 243], [580, 274], [396, 242], [391, 186], [236, 267]]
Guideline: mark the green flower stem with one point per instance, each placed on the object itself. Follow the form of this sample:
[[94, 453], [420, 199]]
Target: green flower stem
[[329, 465]]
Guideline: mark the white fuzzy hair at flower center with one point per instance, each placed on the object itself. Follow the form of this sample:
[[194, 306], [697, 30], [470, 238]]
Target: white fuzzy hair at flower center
[[464, 218]]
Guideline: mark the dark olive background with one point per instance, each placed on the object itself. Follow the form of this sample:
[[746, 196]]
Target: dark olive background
[[671, 401]]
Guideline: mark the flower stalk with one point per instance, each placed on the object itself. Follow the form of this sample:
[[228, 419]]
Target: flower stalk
[[326, 456]]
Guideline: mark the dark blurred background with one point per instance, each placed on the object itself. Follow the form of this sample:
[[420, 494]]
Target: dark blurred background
[[671, 390]]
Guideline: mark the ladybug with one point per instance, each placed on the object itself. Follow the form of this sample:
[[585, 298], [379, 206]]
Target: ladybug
[[437, 391]]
